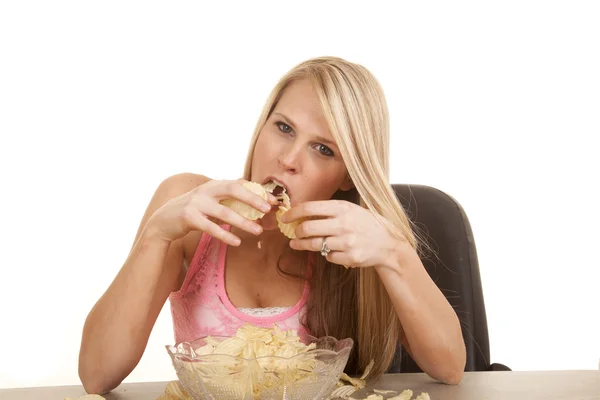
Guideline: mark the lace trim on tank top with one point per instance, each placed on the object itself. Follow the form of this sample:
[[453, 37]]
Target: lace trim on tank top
[[264, 312]]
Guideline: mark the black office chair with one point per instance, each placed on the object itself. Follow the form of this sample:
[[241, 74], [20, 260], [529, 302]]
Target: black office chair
[[453, 266]]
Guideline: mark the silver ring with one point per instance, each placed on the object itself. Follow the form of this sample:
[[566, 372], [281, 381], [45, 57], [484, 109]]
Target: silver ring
[[324, 249]]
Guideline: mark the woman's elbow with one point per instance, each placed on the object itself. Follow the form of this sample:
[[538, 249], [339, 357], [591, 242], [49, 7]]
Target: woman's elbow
[[94, 384], [94, 380], [453, 370], [452, 377]]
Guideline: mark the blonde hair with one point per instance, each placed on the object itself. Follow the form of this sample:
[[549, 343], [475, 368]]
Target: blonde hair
[[352, 303]]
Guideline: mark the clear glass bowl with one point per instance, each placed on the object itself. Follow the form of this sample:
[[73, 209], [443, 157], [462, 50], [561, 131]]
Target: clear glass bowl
[[306, 376]]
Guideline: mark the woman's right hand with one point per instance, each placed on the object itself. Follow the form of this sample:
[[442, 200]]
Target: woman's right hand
[[199, 208]]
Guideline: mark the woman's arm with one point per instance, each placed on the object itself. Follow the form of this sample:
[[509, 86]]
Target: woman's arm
[[431, 329], [117, 328]]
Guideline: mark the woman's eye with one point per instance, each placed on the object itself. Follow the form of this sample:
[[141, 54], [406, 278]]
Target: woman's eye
[[283, 127], [321, 148], [326, 151]]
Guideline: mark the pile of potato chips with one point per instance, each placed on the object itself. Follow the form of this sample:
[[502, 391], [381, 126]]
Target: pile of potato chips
[[252, 342], [266, 355]]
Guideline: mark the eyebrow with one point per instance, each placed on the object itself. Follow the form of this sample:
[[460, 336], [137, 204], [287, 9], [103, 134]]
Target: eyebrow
[[319, 138]]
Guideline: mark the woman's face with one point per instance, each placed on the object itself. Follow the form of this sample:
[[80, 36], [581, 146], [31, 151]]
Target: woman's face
[[296, 148]]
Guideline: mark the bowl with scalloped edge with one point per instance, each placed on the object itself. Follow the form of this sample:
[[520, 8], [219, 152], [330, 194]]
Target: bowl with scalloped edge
[[308, 368]]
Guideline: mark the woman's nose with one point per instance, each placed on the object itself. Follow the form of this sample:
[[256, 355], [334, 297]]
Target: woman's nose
[[290, 158]]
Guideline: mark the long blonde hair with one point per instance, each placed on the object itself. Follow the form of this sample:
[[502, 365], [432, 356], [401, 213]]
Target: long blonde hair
[[352, 303]]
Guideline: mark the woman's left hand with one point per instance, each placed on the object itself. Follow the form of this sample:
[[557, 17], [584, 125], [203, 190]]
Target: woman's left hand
[[352, 233]]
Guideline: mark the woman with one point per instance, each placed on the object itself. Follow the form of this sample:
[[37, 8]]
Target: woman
[[324, 135]]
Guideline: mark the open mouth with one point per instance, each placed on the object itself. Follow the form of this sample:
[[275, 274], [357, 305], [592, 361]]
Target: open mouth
[[278, 190]]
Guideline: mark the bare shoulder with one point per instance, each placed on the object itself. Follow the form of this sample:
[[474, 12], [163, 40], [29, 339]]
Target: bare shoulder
[[178, 184]]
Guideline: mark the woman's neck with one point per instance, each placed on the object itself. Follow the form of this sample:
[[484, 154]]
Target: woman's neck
[[263, 250]]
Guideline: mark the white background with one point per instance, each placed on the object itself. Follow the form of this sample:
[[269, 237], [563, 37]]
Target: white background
[[496, 104]]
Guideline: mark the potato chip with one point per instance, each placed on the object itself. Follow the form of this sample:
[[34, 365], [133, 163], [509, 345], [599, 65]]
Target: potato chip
[[212, 341], [250, 332], [405, 395], [378, 391], [203, 350], [270, 186], [343, 392], [230, 346], [356, 382], [289, 229], [368, 369], [369, 397], [244, 209], [174, 391]]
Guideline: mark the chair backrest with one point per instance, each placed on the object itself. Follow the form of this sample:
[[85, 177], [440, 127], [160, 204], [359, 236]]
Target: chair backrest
[[453, 266]]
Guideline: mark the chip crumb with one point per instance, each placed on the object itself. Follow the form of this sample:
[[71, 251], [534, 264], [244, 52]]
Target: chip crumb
[[259, 244], [368, 369], [359, 383], [369, 397], [356, 382], [342, 392], [378, 391], [423, 396], [405, 395]]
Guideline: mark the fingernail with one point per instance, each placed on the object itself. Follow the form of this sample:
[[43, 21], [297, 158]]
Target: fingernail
[[266, 208]]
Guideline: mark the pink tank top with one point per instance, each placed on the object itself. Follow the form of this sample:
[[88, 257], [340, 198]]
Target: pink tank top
[[201, 307]]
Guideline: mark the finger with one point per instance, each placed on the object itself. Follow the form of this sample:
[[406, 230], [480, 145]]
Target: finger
[[316, 243], [236, 191], [324, 208], [214, 230], [228, 216], [272, 199], [340, 258], [318, 228], [310, 244]]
